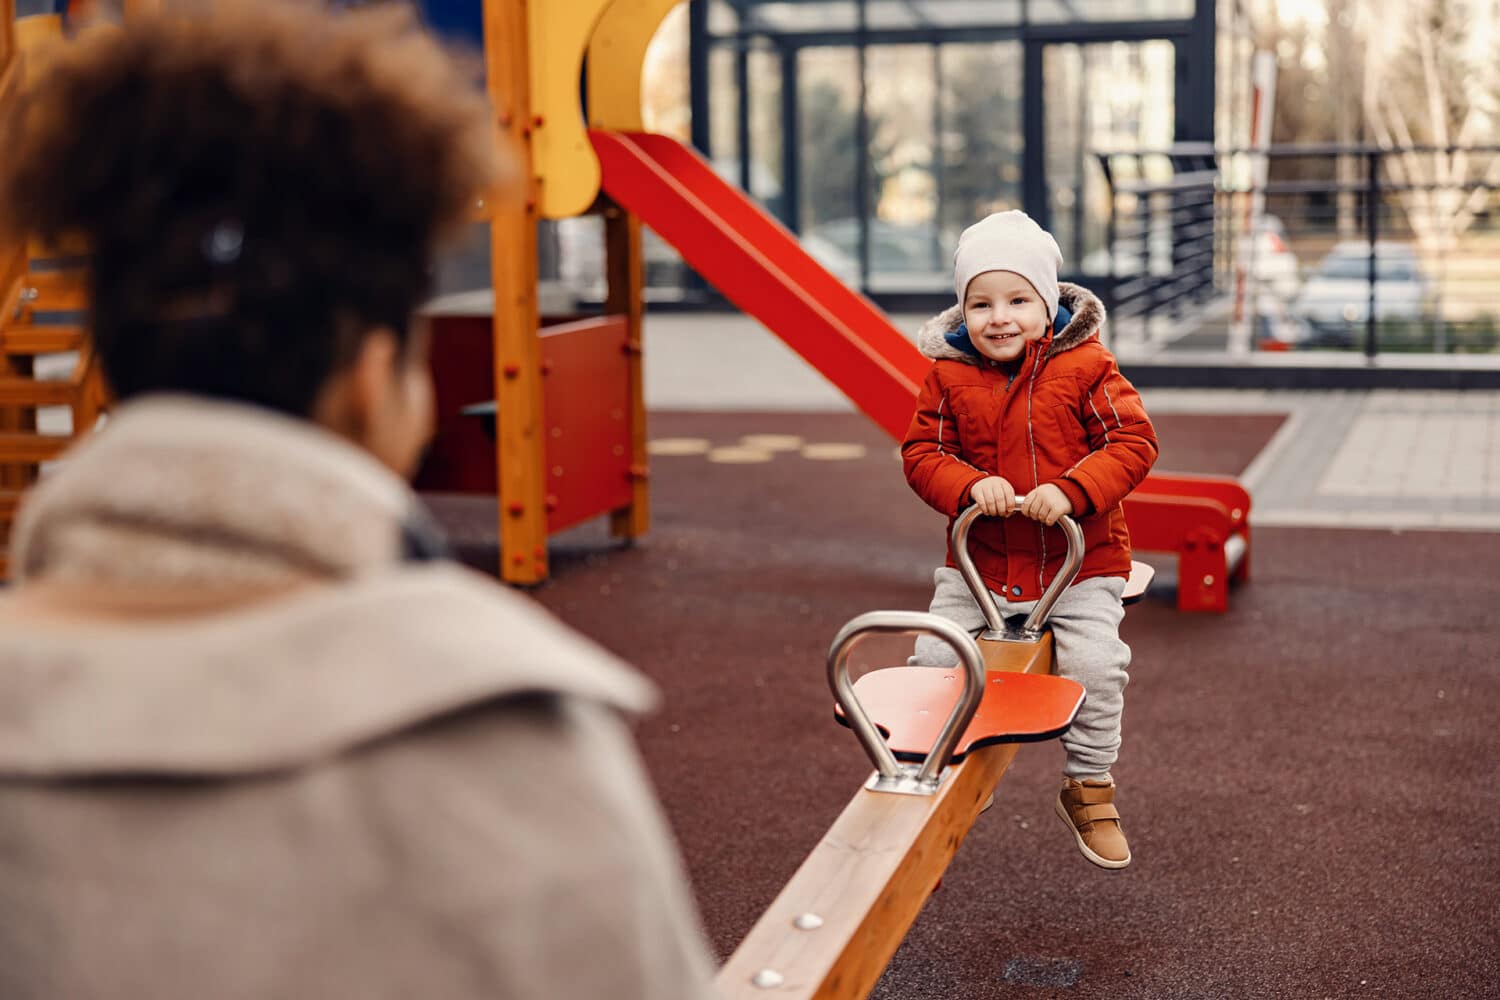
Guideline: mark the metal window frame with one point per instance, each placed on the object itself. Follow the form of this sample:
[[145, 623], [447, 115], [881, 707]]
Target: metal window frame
[[1194, 40]]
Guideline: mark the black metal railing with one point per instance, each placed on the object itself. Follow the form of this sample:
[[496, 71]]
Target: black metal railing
[[1352, 248], [1161, 230]]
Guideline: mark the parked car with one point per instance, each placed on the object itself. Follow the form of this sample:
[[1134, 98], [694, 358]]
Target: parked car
[[1335, 301]]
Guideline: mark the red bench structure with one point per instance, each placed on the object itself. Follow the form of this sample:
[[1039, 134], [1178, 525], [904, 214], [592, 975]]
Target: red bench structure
[[1205, 520]]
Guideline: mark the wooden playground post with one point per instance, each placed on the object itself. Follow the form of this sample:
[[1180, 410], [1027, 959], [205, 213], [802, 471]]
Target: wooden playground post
[[15, 421], [617, 54], [520, 458], [7, 45], [534, 54], [626, 277]]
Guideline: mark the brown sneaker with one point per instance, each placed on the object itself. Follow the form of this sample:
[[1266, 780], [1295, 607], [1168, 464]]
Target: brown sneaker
[[1088, 808]]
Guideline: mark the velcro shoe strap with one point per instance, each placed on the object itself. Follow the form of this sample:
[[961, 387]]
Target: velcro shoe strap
[[1090, 794], [1095, 813]]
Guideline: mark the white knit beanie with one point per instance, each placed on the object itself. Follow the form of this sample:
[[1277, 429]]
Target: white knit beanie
[[1009, 241]]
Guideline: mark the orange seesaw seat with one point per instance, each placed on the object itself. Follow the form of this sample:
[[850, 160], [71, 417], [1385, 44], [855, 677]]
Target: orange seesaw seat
[[910, 704]]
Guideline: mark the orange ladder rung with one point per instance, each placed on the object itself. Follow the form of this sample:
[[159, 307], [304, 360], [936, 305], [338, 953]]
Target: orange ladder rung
[[9, 501], [55, 291], [23, 448], [17, 390], [26, 338]]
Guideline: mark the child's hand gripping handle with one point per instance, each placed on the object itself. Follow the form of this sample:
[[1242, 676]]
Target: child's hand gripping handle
[[1032, 630]]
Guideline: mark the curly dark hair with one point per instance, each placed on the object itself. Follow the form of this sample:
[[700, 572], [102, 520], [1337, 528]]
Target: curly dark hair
[[258, 184]]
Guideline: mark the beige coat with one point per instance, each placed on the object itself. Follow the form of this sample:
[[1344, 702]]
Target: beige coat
[[250, 748]]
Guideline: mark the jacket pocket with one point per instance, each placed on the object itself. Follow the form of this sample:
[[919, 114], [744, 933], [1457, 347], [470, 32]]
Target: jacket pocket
[[968, 410], [1061, 441]]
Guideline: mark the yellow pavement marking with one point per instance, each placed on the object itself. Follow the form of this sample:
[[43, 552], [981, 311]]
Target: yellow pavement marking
[[772, 442], [677, 446], [739, 455], [833, 452]]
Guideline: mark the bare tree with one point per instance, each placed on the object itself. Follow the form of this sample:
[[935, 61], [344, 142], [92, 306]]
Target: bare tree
[[1423, 88], [1319, 70]]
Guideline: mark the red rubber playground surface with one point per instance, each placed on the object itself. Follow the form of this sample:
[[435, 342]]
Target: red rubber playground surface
[[1309, 782]]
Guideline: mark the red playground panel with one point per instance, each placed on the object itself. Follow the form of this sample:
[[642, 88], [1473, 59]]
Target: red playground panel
[[1205, 520], [586, 411], [910, 705]]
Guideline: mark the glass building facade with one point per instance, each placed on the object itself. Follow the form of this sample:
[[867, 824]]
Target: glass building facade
[[878, 129]]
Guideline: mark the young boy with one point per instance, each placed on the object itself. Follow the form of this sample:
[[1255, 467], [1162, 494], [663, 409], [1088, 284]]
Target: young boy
[[1023, 398]]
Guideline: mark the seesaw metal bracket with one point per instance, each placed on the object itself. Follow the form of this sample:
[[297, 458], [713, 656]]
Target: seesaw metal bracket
[[907, 780]]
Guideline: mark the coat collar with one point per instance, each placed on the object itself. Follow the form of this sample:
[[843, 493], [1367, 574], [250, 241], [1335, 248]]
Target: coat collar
[[287, 682], [186, 492], [1087, 323], [346, 641]]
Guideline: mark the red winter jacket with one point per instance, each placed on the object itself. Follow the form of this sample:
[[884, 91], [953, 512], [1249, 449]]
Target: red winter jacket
[[1066, 416]]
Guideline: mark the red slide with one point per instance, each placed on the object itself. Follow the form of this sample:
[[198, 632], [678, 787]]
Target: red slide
[[760, 267]]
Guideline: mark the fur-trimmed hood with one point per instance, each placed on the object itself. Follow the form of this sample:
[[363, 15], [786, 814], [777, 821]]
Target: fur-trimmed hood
[[1087, 322]]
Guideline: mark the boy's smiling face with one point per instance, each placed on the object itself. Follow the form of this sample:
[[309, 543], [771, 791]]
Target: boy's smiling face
[[1003, 313]]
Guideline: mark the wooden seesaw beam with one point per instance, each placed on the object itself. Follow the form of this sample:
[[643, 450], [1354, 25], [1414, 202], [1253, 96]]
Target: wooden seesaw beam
[[832, 930], [834, 927]]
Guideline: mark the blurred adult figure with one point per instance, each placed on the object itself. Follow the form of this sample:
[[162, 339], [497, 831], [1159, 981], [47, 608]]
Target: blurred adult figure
[[257, 738]]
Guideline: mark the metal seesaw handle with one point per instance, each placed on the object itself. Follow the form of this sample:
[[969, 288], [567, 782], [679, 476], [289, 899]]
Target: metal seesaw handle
[[1038, 617], [898, 623]]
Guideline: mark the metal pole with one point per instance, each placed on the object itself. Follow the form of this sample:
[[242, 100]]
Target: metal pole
[[1033, 130], [938, 173], [1111, 227], [1372, 230], [698, 76], [791, 142], [862, 156], [742, 109], [1080, 171]]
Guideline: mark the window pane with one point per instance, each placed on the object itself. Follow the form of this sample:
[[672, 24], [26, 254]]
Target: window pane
[[664, 79], [766, 131], [901, 90], [818, 15], [1042, 11], [722, 19], [724, 106], [843, 15], [828, 102], [979, 150], [957, 13], [1114, 96]]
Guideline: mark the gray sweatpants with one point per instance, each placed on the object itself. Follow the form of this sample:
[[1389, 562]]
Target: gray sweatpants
[[1086, 635]]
